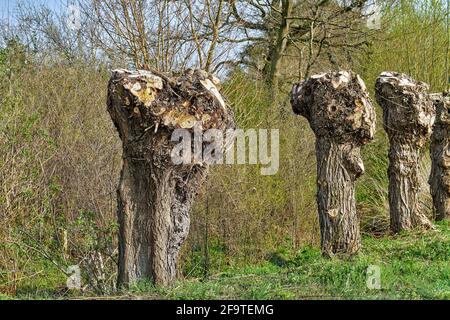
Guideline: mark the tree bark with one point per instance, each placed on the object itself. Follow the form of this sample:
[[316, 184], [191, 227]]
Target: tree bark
[[440, 157], [155, 195], [338, 166], [342, 117], [404, 186], [408, 116], [280, 46]]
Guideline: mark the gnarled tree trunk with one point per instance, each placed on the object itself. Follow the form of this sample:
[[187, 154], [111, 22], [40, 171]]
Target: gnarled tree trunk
[[342, 117], [408, 116], [154, 194], [440, 157]]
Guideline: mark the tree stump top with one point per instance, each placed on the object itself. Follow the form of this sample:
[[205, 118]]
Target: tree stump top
[[150, 100], [337, 106], [408, 112]]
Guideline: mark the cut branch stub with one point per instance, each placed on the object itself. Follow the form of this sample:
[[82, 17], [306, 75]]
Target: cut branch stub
[[342, 117], [408, 117], [440, 157], [155, 195]]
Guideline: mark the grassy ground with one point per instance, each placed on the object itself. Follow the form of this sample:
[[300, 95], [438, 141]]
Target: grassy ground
[[413, 266]]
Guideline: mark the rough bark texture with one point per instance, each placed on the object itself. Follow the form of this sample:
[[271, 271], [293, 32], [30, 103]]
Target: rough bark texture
[[342, 117], [408, 116], [154, 195], [440, 157]]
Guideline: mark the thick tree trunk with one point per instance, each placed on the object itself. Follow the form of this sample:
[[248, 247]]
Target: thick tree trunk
[[338, 166], [154, 194], [342, 116], [440, 157], [408, 116], [154, 206], [403, 186]]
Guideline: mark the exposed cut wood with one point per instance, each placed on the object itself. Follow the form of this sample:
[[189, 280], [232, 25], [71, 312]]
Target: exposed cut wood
[[154, 195]]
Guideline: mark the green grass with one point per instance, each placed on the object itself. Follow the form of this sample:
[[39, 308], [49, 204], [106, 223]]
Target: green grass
[[414, 265]]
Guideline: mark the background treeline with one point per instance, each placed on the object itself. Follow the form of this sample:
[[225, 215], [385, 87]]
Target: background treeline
[[60, 155]]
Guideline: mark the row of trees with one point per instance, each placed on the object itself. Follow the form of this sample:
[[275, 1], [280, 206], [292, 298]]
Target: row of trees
[[342, 116], [155, 196], [60, 160]]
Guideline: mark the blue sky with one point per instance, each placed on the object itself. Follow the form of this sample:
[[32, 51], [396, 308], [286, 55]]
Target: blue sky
[[7, 6]]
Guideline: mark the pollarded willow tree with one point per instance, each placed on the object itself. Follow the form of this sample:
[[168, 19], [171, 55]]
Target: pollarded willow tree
[[440, 156], [342, 117], [408, 117], [155, 194]]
